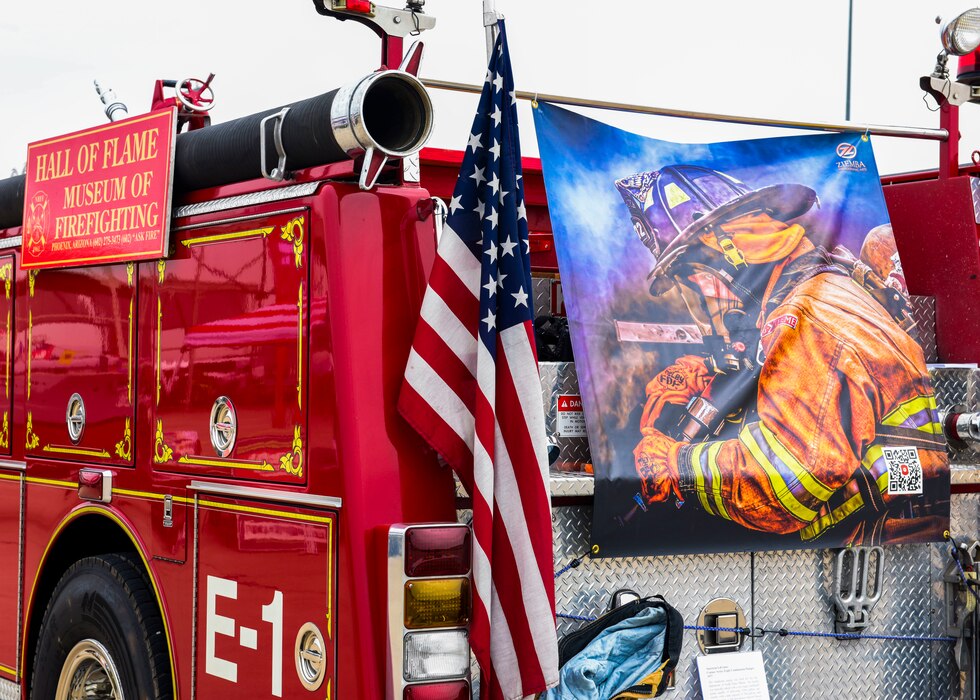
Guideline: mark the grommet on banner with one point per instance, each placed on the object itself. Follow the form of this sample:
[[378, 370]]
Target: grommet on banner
[[534, 101], [866, 135]]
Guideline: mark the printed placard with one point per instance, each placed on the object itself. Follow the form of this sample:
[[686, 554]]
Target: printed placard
[[100, 195], [571, 417]]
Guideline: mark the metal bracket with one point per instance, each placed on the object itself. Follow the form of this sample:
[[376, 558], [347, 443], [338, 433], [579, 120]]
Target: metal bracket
[[955, 613], [168, 511], [279, 173], [946, 90], [858, 579], [383, 19], [721, 612]]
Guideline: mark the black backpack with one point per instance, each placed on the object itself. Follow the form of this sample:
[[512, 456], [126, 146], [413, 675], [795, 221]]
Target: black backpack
[[654, 684]]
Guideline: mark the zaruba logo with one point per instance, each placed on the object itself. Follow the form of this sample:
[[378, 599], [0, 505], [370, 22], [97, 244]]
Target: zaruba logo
[[848, 152]]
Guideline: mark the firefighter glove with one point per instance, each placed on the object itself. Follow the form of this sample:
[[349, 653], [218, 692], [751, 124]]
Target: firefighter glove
[[687, 377], [655, 458]]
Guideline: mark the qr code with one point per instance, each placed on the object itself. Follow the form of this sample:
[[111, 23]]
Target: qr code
[[904, 470]]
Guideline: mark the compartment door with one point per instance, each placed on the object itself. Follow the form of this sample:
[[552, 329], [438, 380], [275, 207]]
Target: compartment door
[[229, 319], [11, 493], [80, 364], [257, 613]]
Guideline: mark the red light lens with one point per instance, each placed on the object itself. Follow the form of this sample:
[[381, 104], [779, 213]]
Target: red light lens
[[437, 551], [359, 6], [456, 690]]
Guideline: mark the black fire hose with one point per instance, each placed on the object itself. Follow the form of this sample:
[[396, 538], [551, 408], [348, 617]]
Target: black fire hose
[[387, 112]]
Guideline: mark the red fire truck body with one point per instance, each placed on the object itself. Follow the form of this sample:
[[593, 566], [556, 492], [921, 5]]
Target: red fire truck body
[[262, 566], [298, 303]]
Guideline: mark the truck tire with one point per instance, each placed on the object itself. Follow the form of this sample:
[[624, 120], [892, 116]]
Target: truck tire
[[102, 631]]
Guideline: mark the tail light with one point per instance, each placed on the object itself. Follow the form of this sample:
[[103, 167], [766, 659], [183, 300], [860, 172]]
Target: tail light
[[429, 604]]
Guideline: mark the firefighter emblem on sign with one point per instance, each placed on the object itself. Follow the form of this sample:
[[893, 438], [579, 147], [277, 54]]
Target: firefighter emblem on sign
[[37, 218], [803, 416]]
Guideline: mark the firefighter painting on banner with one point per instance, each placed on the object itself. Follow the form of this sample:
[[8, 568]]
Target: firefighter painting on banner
[[810, 412]]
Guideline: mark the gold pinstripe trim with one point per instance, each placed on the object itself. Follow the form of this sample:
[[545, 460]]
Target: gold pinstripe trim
[[786, 497], [151, 496], [236, 235], [10, 477], [713, 451], [100, 510], [7, 669], [266, 511], [52, 482]]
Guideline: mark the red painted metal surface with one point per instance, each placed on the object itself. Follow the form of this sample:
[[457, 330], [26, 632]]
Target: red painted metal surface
[[10, 486], [251, 613], [80, 326], [227, 316], [936, 232]]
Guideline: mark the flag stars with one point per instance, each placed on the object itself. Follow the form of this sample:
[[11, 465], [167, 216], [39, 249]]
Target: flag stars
[[503, 193], [500, 279], [520, 297], [495, 149], [490, 320], [455, 203], [498, 82], [492, 252], [492, 218], [478, 175], [496, 116], [513, 98], [491, 286], [508, 246], [494, 184], [480, 207], [521, 211], [475, 143]]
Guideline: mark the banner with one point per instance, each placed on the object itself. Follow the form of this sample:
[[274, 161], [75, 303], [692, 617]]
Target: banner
[[743, 343], [101, 195]]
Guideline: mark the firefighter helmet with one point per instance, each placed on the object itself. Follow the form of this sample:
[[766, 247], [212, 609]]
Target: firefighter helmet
[[671, 206]]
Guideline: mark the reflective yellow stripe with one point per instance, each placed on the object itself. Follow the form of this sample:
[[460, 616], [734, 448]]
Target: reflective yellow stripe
[[7, 669], [779, 486], [266, 511], [713, 451], [816, 488], [904, 411], [852, 504], [699, 476]]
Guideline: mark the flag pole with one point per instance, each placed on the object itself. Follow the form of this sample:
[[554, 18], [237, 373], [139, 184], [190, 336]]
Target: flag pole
[[490, 17]]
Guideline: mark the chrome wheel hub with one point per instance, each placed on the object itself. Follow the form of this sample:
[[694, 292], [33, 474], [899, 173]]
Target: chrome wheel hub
[[89, 673]]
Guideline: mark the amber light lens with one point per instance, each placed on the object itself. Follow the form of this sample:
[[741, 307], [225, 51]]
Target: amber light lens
[[437, 551], [457, 690], [437, 603]]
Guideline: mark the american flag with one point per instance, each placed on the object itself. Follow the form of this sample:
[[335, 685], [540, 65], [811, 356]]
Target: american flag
[[472, 390]]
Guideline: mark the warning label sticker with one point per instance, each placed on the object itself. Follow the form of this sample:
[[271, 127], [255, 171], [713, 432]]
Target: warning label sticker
[[571, 418]]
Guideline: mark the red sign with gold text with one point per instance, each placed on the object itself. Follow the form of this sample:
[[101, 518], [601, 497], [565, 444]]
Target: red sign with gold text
[[101, 195]]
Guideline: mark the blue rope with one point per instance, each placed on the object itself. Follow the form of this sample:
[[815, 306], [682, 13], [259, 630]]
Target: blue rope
[[966, 581], [789, 633]]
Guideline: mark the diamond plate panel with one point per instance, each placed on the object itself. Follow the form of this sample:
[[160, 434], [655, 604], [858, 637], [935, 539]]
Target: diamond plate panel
[[793, 590], [955, 386], [924, 315], [9, 690], [687, 582], [559, 378], [541, 287]]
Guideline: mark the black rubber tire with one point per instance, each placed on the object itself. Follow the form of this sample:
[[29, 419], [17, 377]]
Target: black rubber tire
[[107, 598]]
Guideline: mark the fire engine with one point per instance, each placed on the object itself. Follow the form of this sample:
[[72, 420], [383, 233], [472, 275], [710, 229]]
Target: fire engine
[[206, 488]]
